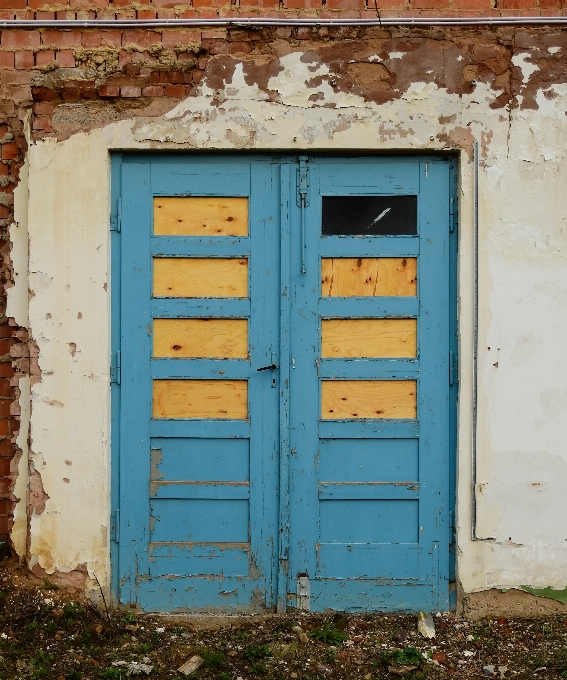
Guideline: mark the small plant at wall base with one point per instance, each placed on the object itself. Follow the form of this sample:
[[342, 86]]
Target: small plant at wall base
[[328, 633]]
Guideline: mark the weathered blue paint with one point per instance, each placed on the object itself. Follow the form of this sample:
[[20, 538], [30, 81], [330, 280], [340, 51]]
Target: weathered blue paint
[[224, 515]]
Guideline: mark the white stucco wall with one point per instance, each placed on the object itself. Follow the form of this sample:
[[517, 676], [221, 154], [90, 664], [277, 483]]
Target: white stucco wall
[[522, 458]]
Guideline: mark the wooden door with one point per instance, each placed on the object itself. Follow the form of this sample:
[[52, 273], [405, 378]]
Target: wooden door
[[369, 388], [198, 440]]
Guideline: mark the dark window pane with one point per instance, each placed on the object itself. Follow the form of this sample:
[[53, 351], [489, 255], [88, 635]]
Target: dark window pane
[[369, 215]]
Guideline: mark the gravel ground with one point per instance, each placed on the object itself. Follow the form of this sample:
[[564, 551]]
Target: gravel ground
[[45, 634]]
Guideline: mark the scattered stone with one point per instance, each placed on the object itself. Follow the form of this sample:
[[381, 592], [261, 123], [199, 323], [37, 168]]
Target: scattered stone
[[400, 635], [488, 670], [136, 668], [191, 665], [440, 657], [303, 638], [233, 652], [468, 652], [96, 629], [132, 628], [425, 625], [401, 670], [357, 638], [502, 670]]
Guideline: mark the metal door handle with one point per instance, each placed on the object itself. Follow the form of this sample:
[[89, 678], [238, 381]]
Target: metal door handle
[[271, 367]]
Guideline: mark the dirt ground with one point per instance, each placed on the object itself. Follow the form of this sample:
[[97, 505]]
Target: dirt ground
[[46, 634]]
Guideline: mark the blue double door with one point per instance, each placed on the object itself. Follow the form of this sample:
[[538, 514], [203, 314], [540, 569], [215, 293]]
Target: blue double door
[[283, 401]]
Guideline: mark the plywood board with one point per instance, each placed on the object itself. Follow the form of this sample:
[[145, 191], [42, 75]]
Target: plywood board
[[201, 338], [368, 276], [200, 277], [368, 399], [200, 216], [200, 399], [379, 338]]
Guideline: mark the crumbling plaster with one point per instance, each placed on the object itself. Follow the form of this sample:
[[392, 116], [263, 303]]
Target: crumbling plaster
[[523, 290]]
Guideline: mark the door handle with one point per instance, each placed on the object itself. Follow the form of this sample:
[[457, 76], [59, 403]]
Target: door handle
[[271, 367]]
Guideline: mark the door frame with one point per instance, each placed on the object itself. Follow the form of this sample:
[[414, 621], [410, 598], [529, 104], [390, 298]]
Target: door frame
[[115, 217]]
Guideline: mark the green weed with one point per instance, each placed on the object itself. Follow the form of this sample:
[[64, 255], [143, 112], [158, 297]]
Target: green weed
[[212, 659], [329, 634], [410, 656], [111, 674], [254, 653]]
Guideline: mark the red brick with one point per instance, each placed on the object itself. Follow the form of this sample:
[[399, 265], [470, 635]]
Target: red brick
[[188, 14], [5, 526], [20, 39], [65, 14], [515, 4], [197, 76], [44, 15], [5, 466], [5, 388], [303, 4], [429, 4], [43, 94], [6, 371], [6, 60], [153, 91], [13, 4], [174, 91], [6, 448], [9, 151], [44, 57], [171, 38], [260, 3], [4, 212], [5, 344], [109, 91], [102, 39], [43, 108], [41, 123], [145, 14], [4, 408], [61, 38], [345, 4], [130, 91], [25, 59], [65, 59], [141, 38], [208, 14]]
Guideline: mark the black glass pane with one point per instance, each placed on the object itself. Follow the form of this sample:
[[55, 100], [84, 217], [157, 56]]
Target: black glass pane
[[369, 215]]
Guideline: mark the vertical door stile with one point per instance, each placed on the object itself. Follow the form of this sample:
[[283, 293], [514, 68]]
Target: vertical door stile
[[284, 387], [135, 386]]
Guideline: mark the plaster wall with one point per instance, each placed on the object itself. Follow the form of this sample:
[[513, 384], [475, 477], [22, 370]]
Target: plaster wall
[[522, 459]]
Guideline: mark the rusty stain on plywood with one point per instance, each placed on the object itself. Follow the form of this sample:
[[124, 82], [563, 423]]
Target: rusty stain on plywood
[[368, 399], [200, 399], [200, 277], [378, 338], [200, 216], [368, 276], [201, 338]]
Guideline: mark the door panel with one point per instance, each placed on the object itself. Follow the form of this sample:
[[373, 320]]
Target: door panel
[[199, 283], [369, 410], [284, 403]]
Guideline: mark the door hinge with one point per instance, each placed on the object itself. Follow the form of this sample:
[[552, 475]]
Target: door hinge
[[453, 369], [303, 201], [451, 526], [115, 526], [116, 218], [451, 214], [303, 592], [115, 368]]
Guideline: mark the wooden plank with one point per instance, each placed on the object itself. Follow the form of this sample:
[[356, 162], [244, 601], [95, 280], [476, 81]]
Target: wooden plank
[[368, 276], [200, 216], [200, 277], [200, 399], [368, 399], [201, 338], [369, 338]]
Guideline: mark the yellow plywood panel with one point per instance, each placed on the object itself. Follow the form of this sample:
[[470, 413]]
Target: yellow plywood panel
[[200, 399], [200, 277], [369, 276], [201, 338], [369, 338], [200, 216], [368, 399]]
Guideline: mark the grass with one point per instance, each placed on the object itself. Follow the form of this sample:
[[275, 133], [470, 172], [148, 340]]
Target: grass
[[328, 633], [254, 653], [410, 656]]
